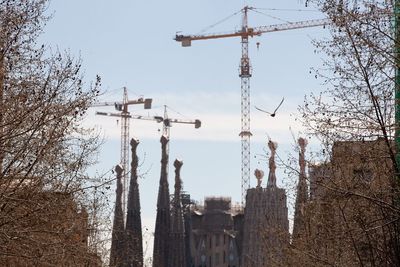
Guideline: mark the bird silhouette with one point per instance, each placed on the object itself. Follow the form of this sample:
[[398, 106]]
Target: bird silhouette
[[273, 113]]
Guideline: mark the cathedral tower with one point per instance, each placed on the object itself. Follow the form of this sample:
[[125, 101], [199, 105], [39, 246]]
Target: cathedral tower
[[177, 234], [162, 228], [133, 229], [302, 193], [117, 239]]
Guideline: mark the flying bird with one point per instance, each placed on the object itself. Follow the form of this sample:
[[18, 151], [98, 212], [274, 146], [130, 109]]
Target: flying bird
[[273, 113]]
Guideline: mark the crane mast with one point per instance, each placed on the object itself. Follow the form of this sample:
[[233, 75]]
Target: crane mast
[[245, 134], [245, 74], [124, 156], [125, 116]]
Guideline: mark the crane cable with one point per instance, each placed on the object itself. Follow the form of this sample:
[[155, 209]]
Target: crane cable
[[177, 112], [270, 16], [219, 22], [255, 10]]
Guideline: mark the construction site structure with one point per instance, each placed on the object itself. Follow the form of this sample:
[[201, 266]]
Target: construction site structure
[[124, 114], [245, 72], [266, 224]]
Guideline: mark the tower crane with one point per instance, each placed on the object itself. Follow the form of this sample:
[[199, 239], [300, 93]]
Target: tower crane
[[125, 116], [245, 73]]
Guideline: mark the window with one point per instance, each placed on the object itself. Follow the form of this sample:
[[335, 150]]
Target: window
[[216, 258], [217, 240]]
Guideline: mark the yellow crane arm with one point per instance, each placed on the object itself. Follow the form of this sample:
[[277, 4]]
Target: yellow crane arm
[[291, 26], [186, 40]]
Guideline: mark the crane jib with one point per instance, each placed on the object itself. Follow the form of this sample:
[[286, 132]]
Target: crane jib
[[186, 40]]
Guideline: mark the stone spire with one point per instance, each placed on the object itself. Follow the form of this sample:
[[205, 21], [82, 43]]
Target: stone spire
[[162, 229], [272, 166], [259, 176], [117, 239], [133, 229], [302, 192], [177, 235]]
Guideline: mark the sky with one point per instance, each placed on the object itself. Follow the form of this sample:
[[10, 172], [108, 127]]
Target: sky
[[130, 44]]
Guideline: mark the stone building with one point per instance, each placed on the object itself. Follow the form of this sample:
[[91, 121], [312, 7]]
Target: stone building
[[189, 235], [266, 225], [49, 228], [215, 234], [347, 216], [218, 234]]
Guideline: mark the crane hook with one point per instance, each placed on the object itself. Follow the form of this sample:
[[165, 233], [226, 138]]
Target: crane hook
[[258, 45]]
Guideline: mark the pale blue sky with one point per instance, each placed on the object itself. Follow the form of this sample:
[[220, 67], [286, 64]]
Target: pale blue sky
[[130, 43]]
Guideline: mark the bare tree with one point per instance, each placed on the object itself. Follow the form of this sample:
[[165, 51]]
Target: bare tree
[[357, 210], [44, 152]]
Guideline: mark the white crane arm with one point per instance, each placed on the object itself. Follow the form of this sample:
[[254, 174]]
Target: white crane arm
[[112, 114], [105, 104], [136, 117], [168, 121], [119, 105], [148, 118]]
